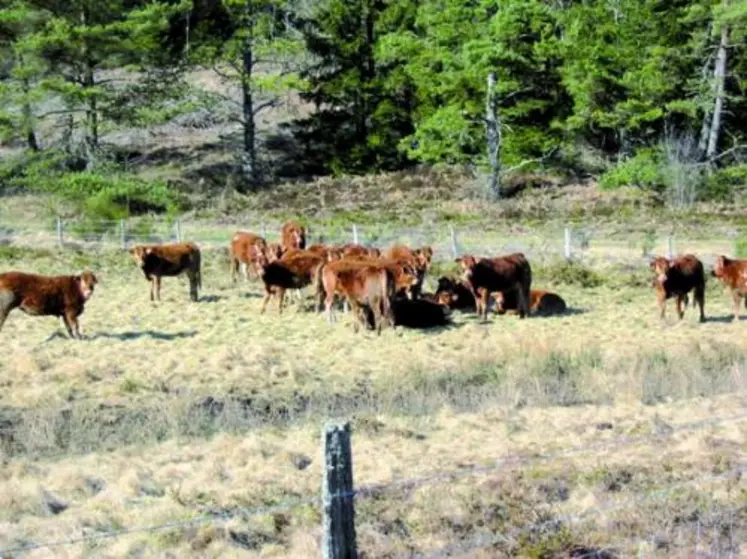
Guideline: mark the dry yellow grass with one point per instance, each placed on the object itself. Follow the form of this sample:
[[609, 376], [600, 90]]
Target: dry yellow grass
[[422, 403]]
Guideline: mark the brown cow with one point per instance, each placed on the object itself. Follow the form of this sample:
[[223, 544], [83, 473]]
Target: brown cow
[[293, 235], [274, 251], [419, 259], [352, 250], [676, 278], [543, 303], [157, 261], [455, 294], [364, 287], [294, 272], [63, 296], [504, 273], [733, 274], [245, 248], [328, 252]]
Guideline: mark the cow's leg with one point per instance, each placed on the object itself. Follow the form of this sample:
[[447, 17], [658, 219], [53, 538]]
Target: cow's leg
[[268, 294], [329, 302], [281, 298], [71, 322], [484, 294], [523, 302], [192, 286], [359, 314], [6, 305], [158, 288], [662, 300], [736, 298], [153, 288], [234, 268], [680, 311], [699, 298]]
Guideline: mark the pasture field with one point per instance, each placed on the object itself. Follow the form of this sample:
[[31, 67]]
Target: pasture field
[[179, 411]]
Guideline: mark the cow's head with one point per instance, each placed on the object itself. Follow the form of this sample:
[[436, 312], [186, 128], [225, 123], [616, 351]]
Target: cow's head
[[139, 253], [272, 252], [86, 284], [467, 264], [719, 266], [426, 255], [660, 266]]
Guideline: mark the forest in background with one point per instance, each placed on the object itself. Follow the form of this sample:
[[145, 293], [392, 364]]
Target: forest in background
[[649, 93]]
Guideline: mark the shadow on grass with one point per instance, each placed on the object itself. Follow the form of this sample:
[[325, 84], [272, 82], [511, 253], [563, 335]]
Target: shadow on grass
[[126, 336], [725, 319]]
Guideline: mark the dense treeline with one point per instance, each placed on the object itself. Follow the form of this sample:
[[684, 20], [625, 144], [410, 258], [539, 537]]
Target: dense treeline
[[645, 92]]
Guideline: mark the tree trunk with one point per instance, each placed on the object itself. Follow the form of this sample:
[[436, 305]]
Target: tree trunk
[[89, 82], [719, 74], [249, 163], [493, 129], [705, 129], [26, 112]]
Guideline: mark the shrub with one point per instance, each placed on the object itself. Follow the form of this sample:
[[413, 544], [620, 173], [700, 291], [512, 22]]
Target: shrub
[[569, 273], [726, 185], [642, 170]]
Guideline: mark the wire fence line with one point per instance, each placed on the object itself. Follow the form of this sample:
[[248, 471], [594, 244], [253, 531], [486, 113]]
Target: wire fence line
[[447, 240], [212, 515]]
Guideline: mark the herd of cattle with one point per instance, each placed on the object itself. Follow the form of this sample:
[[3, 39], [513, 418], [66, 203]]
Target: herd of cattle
[[380, 288]]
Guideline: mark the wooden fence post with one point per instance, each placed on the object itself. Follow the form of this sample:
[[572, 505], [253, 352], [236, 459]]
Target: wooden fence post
[[263, 230], [355, 234], [454, 245], [338, 540], [59, 231], [178, 230], [567, 251], [122, 234], [670, 247]]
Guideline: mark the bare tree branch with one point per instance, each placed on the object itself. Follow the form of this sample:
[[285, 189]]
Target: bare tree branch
[[528, 161]]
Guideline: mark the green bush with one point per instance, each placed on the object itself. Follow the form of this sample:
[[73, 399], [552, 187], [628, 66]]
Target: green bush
[[723, 184], [643, 170], [569, 273], [740, 247]]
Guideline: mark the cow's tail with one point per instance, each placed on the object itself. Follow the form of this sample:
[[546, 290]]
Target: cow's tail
[[526, 285], [388, 292], [198, 268], [318, 284]]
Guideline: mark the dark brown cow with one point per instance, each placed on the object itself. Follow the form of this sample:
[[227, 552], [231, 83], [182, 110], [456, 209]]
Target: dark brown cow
[[293, 236], [504, 273], [294, 272], [63, 296], [733, 274], [420, 313], [245, 248], [676, 278], [543, 303], [364, 287], [157, 261], [455, 293]]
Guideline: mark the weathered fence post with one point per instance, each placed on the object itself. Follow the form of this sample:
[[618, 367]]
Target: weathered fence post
[[263, 230], [454, 245], [355, 234], [338, 541], [178, 231], [122, 234], [670, 247], [567, 250], [59, 231]]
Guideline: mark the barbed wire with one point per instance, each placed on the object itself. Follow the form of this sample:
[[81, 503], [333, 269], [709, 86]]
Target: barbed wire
[[485, 539], [216, 515], [205, 519]]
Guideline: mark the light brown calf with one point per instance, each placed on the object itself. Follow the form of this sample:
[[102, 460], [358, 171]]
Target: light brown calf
[[733, 274]]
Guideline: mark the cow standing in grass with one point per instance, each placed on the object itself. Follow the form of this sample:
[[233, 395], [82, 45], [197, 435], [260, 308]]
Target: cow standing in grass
[[504, 273], [157, 261], [676, 278], [36, 295], [733, 274], [244, 251]]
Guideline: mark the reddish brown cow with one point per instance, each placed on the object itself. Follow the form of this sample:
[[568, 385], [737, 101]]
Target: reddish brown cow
[[157, 261], [328, 252], [245, 248], [733, 274], [274, 251], [419, 259], [363, 286], [294, 272], [352, 250], [543, 303], [63, 296], [293, 236], [504, 273], [455, 294], [676, 278]]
